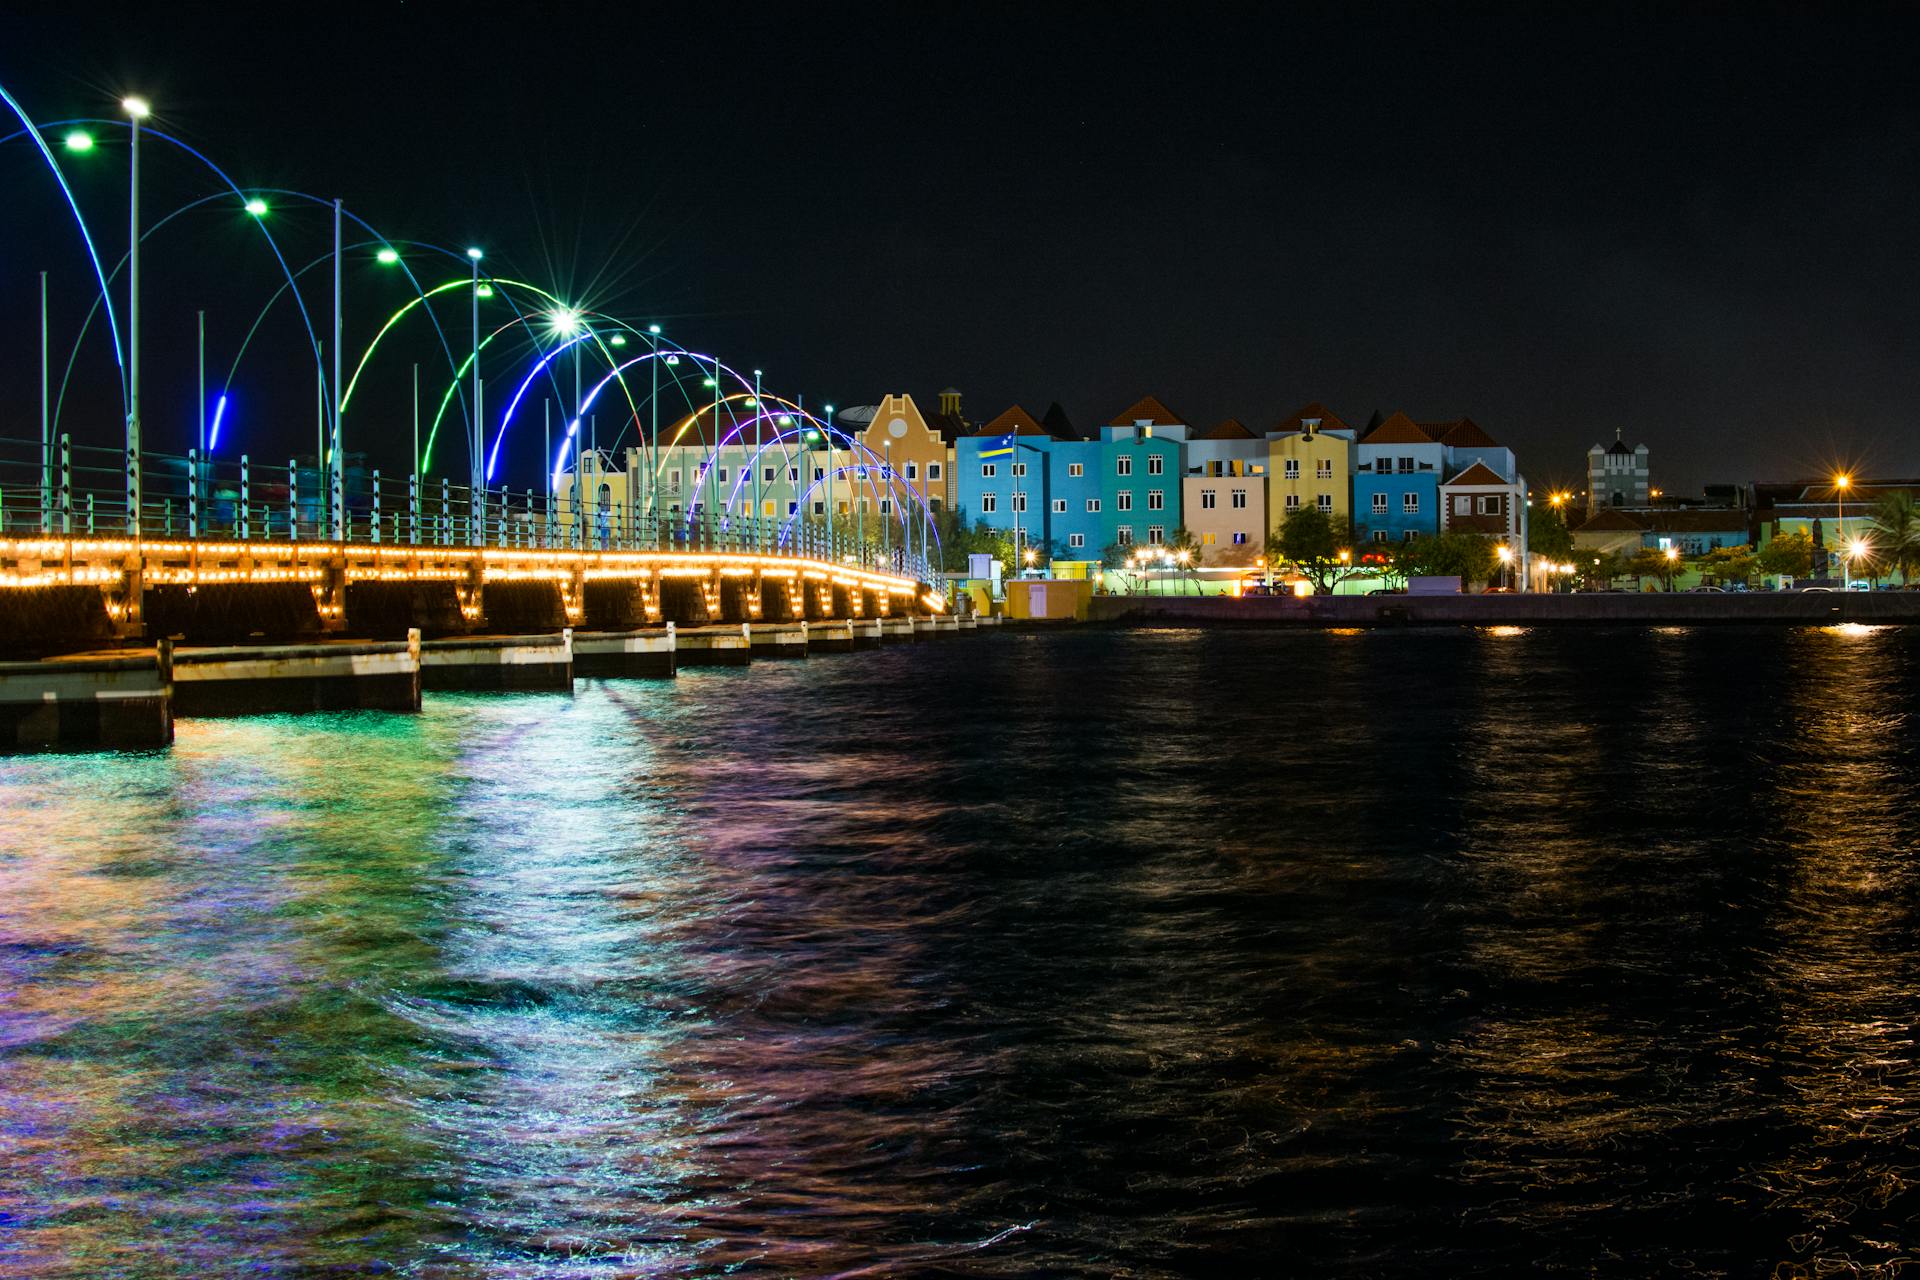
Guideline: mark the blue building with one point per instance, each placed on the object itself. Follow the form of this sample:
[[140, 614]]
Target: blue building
[[1002, 476], [1396, 482]]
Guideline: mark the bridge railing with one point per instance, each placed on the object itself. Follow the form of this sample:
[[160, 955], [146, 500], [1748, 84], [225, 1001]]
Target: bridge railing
[[81, 490]]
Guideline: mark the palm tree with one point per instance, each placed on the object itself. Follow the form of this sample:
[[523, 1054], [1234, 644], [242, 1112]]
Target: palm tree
[[1896, 529]]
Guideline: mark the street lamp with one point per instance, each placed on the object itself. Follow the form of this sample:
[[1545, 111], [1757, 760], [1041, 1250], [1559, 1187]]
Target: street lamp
[[1673, 558], [1840, 483], [257, 207], [387, 257], [476, 475], [79, 140], [1505, 553], [137, 109]]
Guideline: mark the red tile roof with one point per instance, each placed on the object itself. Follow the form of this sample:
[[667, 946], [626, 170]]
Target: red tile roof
[[1399, 429], [1015, 421], [1329, 420], [1231, 429], [1460, 433], [1148, 409]]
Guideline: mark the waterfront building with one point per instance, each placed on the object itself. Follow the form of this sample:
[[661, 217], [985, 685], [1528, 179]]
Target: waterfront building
[[1396, 482], [1001, 475], [1310, 460], [1142, 465], [1229, 448], [1618, 476], [1827, 513], [1226, 512], [918, 449]]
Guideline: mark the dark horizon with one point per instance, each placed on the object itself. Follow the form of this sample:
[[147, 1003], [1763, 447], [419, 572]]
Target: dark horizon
[[1690, 227]]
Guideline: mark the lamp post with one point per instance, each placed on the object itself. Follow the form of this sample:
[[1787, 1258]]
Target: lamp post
[[1840, 483], [476, 476], [1673, 559], [1505, 552], [137, 110]]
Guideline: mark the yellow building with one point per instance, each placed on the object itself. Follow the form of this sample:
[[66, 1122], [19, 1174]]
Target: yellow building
[[920, 456], [1310, 463]]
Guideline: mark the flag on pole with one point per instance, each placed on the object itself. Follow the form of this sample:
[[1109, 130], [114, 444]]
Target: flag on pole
[[1000, 448]]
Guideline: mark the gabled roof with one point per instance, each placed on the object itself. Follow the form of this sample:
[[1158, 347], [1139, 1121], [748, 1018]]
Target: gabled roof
[[1460, 433], [1230, 429], [1612, 521], [1399, 429], [1620, 448], [1058, 424], [1148, 409], [1013, 421], [1478, 474], [1329, 420]]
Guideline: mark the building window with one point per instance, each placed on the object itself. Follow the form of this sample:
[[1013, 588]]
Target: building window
[[1156, 500], [1124, 535], [1292, 469], [1489, 504], [1123, 466], [1323, 469], [1293, 502], [886, 506], [1379, 535], [1155, 464], [1206, 539], [819, 508], [1240, 537], [1076, 540], [1410, 535], [988, 471], [1123, 501], [1019, 469], [1410, 503], [793, 508], [1059, 506], [1462, 504], [1379, 504], [1406, 466], [673, 479], [793, 475], [723, 475], [819, 473], [1207, 499], [1093, 506], [1076, 469], [933, 471], [1239, 499], [987, 503], [913, 471], [1020, 503], [1325, 504], [1156, 535]]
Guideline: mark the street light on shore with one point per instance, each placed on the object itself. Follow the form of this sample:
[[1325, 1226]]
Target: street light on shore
[[1840, 483], [137, 109]]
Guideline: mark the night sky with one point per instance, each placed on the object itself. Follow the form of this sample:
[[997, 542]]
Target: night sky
[[1700, 229]]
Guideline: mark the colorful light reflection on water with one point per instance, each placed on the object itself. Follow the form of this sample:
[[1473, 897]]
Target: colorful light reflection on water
[[1092, 954]]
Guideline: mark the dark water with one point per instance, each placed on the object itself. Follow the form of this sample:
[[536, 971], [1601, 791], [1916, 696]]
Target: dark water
[[1175, 954]]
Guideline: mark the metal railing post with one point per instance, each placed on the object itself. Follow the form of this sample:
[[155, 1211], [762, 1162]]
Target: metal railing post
[[293, 500], [246, 500], [193, 496], [413, 508], [376, 505], [66, 484]]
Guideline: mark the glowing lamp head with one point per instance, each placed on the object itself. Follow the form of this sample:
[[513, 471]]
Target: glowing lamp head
[[1031, 557], [708, 382], [618, 340], [1673, 553], [1504, 551], [257, 207], [387, 257], [653, 328], [785, 419], [1842, 480], [485, 291], [673, 360], [138, 108], [1857, 548], [79, 140], [475, 254], [564, 321]]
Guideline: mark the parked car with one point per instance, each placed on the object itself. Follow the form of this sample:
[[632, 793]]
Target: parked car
[[1694, 591], [1827, 590]]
